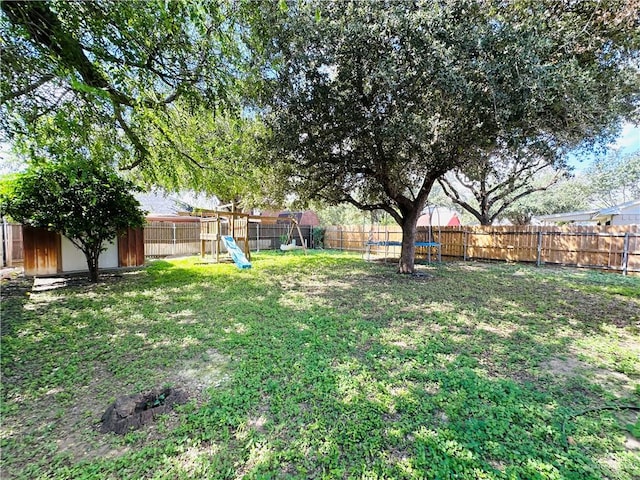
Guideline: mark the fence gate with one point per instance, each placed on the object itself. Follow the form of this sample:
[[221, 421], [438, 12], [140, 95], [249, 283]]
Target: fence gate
[[11, 246]]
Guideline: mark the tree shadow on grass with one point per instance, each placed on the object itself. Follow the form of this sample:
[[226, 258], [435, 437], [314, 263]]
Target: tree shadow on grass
[[334, 374]]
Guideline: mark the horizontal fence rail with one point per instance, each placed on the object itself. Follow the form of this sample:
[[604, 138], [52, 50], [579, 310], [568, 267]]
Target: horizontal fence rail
[[608, 247]]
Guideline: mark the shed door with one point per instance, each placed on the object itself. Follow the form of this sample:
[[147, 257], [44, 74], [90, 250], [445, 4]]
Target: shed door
[[131, 248], [41, 251]]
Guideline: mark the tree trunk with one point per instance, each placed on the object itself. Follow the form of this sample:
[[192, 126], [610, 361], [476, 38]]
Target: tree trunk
[[408, 253], [92, 265]]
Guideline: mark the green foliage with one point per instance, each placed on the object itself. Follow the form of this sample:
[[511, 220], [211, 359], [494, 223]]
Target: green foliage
[[135, 68], [85, 201], [374, 101], [70, 188], [325, 366], [318, 237], [608, 181], [343, 214], [568, 195], [223, 151], [493, 185]]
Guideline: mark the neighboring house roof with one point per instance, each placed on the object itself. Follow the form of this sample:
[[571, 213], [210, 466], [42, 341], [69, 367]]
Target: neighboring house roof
[[157, 202], [439, 217], [307, 217], [628, 210], [618, 209], [568, 217]]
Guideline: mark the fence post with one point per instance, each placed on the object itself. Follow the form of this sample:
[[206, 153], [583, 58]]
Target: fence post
[[341, 246], [174, 238], [8, 246], [257, 237], [625, 254], [464, 245], [539, 248], [5, 263]]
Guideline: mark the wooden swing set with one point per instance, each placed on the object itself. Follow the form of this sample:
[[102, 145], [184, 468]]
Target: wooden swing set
[[238, 227], [291, 244]]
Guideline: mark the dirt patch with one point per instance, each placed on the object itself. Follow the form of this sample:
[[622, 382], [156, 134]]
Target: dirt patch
[[565, 367], [616, 383], [68, 423], [199, 374]]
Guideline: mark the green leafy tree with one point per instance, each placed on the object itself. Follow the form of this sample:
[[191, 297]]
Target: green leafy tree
[[486, 188], [70, 188], [614, 179], [129, 66], [374, 101], [570, 194], [223, 151]]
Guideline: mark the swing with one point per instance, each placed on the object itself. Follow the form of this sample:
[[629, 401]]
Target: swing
[[291, 242]]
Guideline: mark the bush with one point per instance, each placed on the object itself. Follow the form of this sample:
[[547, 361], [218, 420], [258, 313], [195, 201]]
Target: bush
[[318, 237]]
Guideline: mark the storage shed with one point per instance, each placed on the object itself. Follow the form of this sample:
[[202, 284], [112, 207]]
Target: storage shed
[[49, 253]]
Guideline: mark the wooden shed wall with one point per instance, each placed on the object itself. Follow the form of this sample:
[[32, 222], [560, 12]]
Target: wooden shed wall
[[42, 251], [131, 248]]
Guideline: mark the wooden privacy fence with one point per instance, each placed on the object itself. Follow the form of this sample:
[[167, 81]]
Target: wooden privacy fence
[[11, 248], [165, 238], [604, 247]]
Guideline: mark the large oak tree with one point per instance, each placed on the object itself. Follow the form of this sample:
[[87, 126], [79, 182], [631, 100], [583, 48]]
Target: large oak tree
[[487, 187], [373, 101]]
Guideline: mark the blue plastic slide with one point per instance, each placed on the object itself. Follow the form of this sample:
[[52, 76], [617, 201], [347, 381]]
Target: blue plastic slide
[[236, 254]]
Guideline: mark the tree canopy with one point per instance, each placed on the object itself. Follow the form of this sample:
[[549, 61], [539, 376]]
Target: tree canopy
[[137, 67], [614, 179], [373, 101], [70, 186], [569, 194], [223, 152]]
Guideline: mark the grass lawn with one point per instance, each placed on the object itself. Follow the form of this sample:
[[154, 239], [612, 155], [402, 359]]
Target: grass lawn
[[327, 366]]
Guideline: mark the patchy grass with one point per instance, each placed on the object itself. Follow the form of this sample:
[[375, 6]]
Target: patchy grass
[[326, 366]]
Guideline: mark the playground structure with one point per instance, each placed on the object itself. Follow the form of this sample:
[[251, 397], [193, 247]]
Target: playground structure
[[290, 244], [237, 236], [231, 230]]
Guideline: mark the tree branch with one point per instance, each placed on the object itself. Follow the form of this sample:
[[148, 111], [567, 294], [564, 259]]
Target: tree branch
[[450, 192], [168, 138], [143, 152], [28, 88], [376, 206]]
